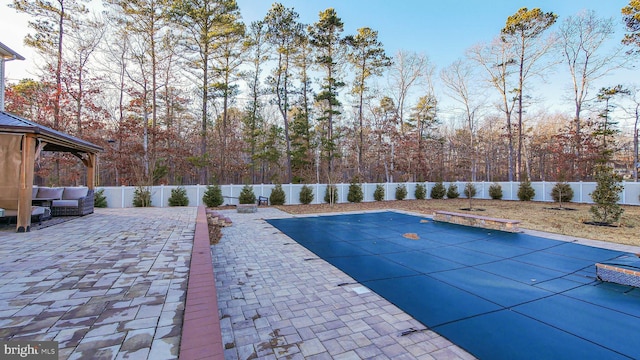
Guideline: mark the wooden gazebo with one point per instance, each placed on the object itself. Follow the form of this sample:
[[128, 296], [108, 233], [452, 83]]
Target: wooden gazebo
[[21, 142]]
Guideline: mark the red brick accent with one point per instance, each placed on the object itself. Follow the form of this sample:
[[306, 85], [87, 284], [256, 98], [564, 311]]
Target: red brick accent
[[618, 269], [201, 334]]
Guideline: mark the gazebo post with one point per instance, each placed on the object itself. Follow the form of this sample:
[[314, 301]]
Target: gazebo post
[[26, 183], [90, 163]]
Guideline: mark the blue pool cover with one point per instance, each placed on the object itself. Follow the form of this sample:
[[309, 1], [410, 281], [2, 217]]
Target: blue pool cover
[[497, 295]]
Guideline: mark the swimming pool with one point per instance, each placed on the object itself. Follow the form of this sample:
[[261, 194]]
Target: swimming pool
[[497, 295]]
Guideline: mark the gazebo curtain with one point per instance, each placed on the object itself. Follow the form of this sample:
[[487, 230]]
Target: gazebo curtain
[[10, 162]]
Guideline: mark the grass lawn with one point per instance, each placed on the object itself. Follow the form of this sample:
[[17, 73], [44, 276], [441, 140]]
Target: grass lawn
[[533, 215]]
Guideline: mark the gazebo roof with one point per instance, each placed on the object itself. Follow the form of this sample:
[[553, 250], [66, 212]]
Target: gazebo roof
[[55, 140], [7, 53]]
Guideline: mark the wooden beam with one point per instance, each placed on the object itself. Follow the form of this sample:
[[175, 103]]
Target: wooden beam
[[91, 170], [26, 183]]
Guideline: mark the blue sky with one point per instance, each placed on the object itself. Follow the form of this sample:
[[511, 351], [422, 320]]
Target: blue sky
[[441, 29]]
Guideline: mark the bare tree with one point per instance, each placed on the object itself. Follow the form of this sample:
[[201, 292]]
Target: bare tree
[[633, 111], [458, 78], [496, 59], [582, 39], [408, 71], [84, 41]]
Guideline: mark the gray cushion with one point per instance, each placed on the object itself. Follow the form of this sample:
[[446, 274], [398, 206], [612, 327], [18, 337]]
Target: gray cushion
[[37, 210], [74, 193], [64, 203], [50, 193]]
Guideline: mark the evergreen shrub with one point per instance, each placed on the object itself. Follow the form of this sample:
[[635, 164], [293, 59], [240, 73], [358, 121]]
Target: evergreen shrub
[[378, 194], [452, 191], [142, 196], [606, 196], [331, 194], [246, 195], [178, 197], [401, 192], [495, 191], [526, 192], [355, 194], [421, 192], [562, 192], [438, 191], [306, 195], [213, 196], [470, 190], [100, 201], [277, 196]]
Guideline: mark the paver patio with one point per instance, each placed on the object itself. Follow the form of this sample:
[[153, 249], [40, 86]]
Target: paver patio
[[280, 301], [105, 286], [113, 285]]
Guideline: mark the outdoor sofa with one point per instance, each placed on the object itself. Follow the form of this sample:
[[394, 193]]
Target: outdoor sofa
[[65, 201]]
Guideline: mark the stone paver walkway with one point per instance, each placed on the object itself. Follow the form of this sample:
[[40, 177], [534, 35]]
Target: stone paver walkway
[[105, 286], [112, 285], [279, 301]]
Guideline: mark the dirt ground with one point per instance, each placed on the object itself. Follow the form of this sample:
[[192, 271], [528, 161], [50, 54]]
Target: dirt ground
[[541, 216]]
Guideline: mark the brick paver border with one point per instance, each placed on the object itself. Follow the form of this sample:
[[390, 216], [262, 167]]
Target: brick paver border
[[201, 334]]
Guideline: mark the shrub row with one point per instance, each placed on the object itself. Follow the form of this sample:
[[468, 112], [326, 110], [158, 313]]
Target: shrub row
[[561, 192]]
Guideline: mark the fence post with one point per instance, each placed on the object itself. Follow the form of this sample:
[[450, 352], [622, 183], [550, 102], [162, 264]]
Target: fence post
[[290, 193], [581, 198]]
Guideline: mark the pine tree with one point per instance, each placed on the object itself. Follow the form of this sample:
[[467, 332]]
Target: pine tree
[[401, 192], [306, 195], [526, 192], [326, 39], [366, 55], [283, 32], [606, 196], [378, 194], [438, 191], [355, 194], [247, 195], [452, 191], [495, 191], [213, 196], [179, 197], [421, 192], [277, 196]]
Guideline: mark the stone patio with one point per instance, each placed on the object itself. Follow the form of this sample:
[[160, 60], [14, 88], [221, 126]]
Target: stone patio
[[112, 285], [105, 286], [279, 301]]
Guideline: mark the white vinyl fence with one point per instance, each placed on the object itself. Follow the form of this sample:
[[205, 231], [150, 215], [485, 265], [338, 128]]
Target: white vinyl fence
[[122, 197]]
